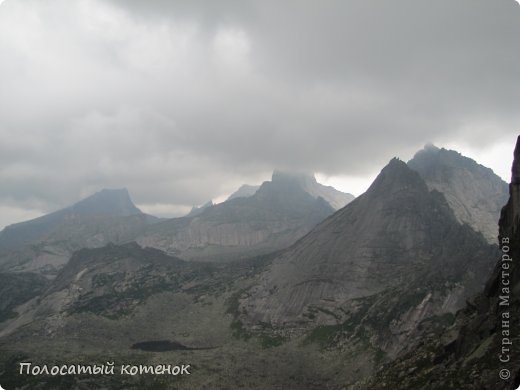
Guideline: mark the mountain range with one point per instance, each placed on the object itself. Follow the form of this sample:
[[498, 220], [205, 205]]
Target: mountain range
[[374, 293], [277, 214]]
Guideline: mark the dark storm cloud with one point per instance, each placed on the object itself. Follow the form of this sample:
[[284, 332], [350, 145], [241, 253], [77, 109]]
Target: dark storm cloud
[[182, 101]]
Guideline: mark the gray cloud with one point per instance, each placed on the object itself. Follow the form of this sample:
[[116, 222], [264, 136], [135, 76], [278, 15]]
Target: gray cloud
[[182, 101]]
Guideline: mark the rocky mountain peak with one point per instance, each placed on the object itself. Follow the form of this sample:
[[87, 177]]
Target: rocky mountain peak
[[475, 193], [114, 202], [276, 215], [309, 184], [430, 146], [481, 340], [396, 176], [386, 237]]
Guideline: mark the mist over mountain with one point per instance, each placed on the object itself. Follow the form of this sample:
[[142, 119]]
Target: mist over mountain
[[280, 212], [45, 243], [335, 198], [473, 191]]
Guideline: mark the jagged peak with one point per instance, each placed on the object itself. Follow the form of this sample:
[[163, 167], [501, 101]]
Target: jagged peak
[[428, 158], [430, 151], [396, 175], [197, 210], [396, 165]]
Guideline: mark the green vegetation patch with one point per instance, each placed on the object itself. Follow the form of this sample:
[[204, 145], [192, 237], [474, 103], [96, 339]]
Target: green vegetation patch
[[270, 341]]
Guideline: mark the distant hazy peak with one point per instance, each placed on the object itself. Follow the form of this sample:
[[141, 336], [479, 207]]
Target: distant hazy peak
[[430, 146], [196, 210], [309, 184], [474, 192], [431, 154], [107, 202], [244, 191], [96, 219]]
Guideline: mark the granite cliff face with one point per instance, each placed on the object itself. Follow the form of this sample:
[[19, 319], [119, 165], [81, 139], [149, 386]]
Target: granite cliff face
[[473, 191], [279, 213], [468, 354], [390, 259], [45, 244]]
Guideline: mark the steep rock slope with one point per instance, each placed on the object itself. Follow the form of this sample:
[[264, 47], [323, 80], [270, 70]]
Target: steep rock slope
[[474, 192], [15, 289], [44, 244], [481, 350], [279, 213], [393, 257]]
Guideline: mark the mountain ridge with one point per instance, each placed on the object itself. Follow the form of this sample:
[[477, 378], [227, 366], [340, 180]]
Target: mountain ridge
[[396, 242], [474, 192], [279, 213]]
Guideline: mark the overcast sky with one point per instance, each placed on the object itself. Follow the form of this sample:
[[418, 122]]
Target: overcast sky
[[183, 101]]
